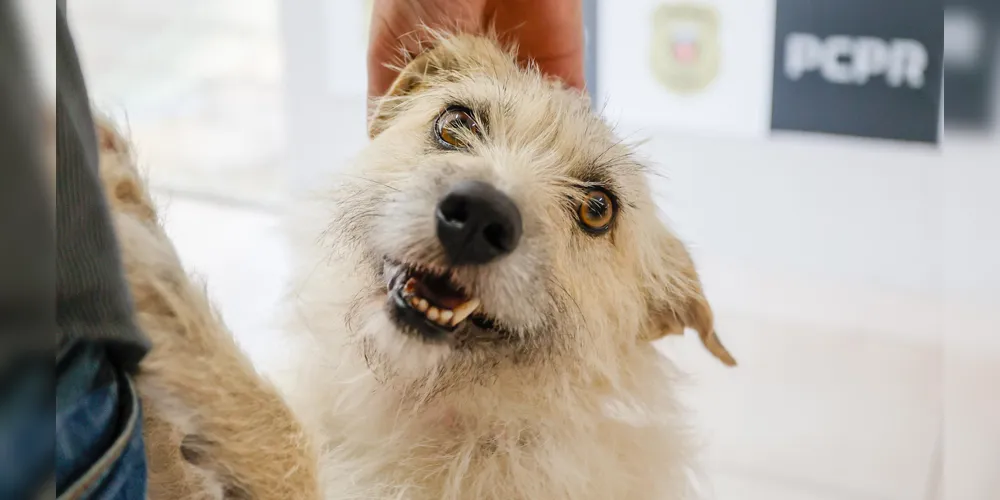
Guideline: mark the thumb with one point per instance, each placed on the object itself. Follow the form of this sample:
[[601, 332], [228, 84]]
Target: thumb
[[398, 27], [548, 32]]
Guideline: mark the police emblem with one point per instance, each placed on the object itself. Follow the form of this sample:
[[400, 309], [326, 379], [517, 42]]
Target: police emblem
[[685, 46]]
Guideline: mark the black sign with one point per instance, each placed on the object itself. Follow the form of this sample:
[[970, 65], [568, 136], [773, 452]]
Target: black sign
[[868, 68], [970, 52]]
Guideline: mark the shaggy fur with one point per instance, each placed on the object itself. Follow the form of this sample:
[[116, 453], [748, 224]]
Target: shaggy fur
[[576, 403], [213, 427]]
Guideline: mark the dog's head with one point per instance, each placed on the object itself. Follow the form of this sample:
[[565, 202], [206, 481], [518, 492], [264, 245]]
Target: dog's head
[[498, 220]]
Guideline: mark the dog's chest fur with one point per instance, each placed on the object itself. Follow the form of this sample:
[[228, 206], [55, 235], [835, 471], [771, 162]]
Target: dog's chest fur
[[441, 455]]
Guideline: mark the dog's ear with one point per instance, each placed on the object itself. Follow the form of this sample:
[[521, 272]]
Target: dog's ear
[[679, 302], [415, 75]]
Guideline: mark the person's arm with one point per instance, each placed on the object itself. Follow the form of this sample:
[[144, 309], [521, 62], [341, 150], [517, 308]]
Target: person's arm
[[92, 300]]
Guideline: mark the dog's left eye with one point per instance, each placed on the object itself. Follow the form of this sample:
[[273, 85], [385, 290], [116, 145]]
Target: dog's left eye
[[596, 211], [454, 127]]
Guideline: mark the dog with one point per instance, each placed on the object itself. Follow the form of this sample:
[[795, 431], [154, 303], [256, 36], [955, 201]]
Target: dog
[[477, 316], [213, 427]]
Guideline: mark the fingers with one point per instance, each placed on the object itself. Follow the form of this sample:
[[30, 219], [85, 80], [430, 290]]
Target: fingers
[[549, 32], [397, 25]]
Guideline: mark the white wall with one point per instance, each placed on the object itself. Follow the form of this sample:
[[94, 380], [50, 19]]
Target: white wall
[[811, 229]]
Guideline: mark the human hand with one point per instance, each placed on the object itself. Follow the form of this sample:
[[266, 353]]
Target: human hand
[[548, 32]]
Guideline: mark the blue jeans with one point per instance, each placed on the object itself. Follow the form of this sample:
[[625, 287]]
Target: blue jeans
[[96, 451]]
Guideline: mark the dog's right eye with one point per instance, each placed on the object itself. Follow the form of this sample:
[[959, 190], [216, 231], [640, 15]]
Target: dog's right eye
[[597, 211], [454, 127]]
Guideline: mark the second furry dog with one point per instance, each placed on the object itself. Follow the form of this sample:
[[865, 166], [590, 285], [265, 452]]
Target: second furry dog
[[213, 428], [491, 274]]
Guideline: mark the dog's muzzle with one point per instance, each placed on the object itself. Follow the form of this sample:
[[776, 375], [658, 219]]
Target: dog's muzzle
[[476, 224]]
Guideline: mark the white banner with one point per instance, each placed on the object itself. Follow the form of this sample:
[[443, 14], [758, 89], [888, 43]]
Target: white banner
[[701, 67]]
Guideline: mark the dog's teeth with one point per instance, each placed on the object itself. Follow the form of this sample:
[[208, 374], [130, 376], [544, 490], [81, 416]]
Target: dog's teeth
[[410, 285], [463, 311], [422, 305], [433, 314], [446, 316]]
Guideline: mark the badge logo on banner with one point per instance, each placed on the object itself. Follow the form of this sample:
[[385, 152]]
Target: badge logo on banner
[[844, 67], [685, 46]]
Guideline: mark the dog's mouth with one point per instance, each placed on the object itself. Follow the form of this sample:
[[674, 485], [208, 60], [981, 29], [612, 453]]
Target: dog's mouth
[[430, 303]]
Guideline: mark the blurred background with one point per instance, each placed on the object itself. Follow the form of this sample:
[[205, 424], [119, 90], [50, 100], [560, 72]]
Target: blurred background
[[854, 272]]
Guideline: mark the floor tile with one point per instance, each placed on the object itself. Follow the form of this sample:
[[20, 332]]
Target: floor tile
[[827, 407], [241, 256], [971, 458]]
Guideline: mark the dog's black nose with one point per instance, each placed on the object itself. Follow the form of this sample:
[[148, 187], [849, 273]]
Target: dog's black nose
[[476, 223]]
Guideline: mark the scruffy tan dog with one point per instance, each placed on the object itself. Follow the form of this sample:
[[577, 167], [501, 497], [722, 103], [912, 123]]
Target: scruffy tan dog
[[491, 274], [213, 427]]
